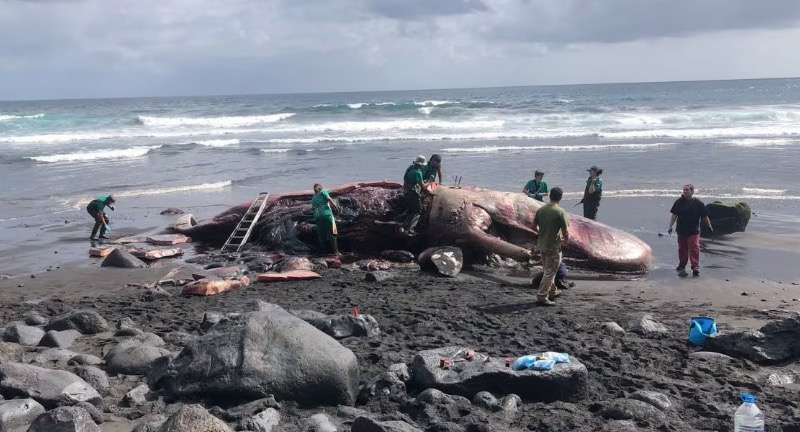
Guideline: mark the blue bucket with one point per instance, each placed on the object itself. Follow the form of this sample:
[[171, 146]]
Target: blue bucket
[[700, 328]]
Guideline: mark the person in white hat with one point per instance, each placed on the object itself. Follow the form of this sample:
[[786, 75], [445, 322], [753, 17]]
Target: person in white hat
[[413, 182]]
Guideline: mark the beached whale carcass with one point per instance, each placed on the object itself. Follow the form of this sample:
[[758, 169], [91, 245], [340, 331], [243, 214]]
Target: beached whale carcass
[[480, 221]]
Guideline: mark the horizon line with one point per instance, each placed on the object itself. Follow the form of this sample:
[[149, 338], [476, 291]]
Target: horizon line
[[391, 90]]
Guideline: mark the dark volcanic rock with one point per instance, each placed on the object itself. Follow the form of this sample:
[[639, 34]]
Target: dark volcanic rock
[[366, 424], [378, 276], [193, 418], [35, 319], [341, 326], [59, 339], [65, 419], [49, 387], [269, 351], [172, 211], [121, 258], [630, 409], [23, 334], [85, 321], [401, 256], [775, 342], [131, 358], [658, 400], [18, 413], [566, 381], [265, 421]]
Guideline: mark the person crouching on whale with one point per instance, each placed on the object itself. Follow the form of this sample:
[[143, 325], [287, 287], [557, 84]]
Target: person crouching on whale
[[323, 206], [95, 210]]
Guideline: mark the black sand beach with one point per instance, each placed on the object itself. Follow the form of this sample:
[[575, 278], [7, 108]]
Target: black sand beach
[[485, 309]]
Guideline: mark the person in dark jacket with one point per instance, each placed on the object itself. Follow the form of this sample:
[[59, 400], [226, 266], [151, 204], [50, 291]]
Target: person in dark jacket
[[688, 212], [592, 193], [413, 184], [95, 210]]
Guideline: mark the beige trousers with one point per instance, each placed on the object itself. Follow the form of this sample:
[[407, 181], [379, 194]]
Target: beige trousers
[[550, 262]]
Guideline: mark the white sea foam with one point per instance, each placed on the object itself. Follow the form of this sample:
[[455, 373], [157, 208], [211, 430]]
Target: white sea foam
[[218, 142], [9, 117], [275, 150], [425, 110], [357, 105], [565, 148], [760, 142], [434, 103], [727, 132], [675, 193], [222, 122], [761, 191], [92, 155], [82, 201]]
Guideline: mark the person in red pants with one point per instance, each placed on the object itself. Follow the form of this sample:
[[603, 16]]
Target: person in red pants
[[688, 212]]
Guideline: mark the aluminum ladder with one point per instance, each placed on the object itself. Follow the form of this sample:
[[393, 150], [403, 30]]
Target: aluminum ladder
[[244, 228]]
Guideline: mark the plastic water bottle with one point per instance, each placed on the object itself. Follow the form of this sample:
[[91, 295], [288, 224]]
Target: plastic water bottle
[[748, 417]]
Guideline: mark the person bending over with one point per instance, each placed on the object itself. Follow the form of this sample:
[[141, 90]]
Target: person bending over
[[95, 210]]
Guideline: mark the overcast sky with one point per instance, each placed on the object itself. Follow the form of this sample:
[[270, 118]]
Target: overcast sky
[[97, 48]]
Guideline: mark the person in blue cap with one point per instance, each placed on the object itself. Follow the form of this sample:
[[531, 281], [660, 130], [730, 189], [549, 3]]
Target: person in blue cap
[[95, 210]]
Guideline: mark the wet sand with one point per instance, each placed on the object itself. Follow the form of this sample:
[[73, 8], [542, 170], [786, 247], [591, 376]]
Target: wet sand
[[493, 312]]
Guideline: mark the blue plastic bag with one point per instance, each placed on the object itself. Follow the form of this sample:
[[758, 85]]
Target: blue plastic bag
[[542, 361], [700, 328]]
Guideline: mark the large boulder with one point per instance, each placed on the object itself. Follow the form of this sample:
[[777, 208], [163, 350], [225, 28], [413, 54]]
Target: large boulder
[[775, 342], [726, 218], [269, 351], [18, 413], [121, 258], [96, 377], [59, 339], [65, 419], [49, 387], [23, 334], [341, 326], [566, 381], [193, 418], [84, 321], [132, 358]]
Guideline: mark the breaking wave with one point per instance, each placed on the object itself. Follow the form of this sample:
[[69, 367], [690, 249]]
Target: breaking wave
[[565, 148], [221, 122], [9, 117], [129, 153], [218, 142]]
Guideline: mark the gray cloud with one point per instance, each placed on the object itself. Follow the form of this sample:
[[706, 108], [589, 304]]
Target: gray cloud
[[78, 48], [411, 9]]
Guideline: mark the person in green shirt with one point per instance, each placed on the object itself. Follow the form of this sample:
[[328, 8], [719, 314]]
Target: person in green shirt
[[323, 206], [95, 210], [433, 170], [553, 226], [413, 183], [537, 187]]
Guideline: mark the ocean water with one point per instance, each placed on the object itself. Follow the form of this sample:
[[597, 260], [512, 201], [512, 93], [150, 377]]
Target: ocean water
[[735, 140]]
